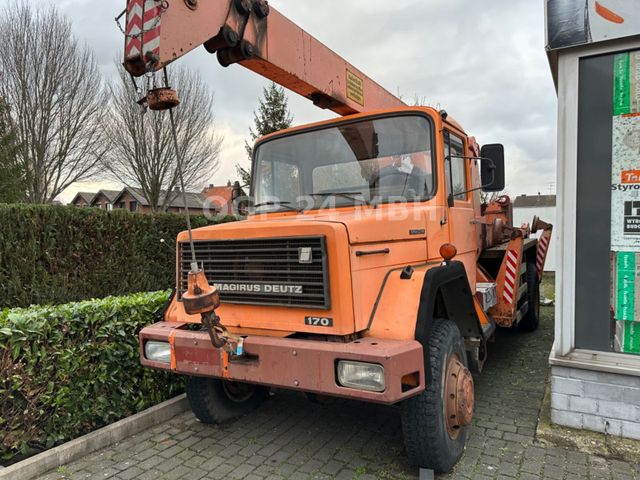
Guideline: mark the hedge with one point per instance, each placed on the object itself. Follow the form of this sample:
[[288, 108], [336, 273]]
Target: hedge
[[69, 369], [54, 254]]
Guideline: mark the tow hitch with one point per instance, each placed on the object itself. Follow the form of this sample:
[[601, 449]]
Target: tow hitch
[[203, 298]]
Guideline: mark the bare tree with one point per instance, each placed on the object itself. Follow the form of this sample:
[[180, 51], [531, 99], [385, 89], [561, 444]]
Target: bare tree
[[142, 153], [57, 99], [12, 177]]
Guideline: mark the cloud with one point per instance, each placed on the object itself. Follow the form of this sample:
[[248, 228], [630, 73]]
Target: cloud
[[484, 62]]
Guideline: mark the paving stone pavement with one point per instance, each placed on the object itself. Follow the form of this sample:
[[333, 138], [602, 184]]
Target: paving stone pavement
[[290, 438]]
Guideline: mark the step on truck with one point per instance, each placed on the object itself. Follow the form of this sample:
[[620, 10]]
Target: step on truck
[[369, 267]]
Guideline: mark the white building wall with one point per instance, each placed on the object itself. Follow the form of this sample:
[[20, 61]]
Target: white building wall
[[593, 390], [548, 214]]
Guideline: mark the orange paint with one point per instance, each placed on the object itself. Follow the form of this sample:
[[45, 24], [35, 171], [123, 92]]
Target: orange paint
[[172, 346], [607, 14], [225, 364], [630, 176]]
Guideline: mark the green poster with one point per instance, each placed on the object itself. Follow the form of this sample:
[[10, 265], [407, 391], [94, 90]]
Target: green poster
[[625, 286], [626, 83], [621, 84], [629, 337]]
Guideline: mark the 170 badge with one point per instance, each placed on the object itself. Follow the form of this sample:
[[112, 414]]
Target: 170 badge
[[318, 321]]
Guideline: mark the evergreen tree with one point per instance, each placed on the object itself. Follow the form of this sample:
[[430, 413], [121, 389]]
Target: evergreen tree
[[272, 115], [12, 179]]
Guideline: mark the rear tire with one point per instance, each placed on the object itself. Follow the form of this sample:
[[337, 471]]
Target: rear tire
[[531, 321], [428, 437], [215, 401]]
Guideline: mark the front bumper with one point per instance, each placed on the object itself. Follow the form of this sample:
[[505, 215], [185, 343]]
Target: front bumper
[[305, 365]]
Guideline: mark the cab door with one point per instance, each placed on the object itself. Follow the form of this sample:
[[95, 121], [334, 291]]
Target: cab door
[[462, 228]]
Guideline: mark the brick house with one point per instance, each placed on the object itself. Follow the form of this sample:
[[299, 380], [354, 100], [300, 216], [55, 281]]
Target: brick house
[[83, 199], [222, 199], [133, 199], [105, 199]]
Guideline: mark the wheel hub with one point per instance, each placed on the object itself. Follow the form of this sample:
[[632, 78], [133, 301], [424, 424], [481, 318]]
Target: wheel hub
[[238, 392], [459, 396]]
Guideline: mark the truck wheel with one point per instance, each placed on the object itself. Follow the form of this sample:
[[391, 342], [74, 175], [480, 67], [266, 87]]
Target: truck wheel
[[531, 320], [215, 401], [434, 423]]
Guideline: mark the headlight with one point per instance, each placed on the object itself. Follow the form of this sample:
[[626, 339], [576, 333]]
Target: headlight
[[157, 351], [360, 375]]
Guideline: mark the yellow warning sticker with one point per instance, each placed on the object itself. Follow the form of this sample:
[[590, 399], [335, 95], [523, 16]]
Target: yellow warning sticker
[[355, 88]]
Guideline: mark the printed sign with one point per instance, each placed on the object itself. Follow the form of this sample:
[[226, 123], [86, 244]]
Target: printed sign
[[355, 88], [632, 218], [261, 288], [578, 22], [627, 287], [625, 185], [628, 337], [626, 86]]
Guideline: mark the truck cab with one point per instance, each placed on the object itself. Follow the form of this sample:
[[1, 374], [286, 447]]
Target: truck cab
[[336, 206]]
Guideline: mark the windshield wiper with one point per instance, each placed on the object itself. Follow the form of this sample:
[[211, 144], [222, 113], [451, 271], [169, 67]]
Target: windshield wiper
[[286, 205], [347, 195]]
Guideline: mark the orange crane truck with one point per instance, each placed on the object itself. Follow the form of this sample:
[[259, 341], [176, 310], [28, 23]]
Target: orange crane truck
[[369, 268]]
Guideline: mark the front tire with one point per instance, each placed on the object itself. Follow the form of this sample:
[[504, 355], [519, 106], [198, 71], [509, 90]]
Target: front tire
[[434, 423], [215, 401]]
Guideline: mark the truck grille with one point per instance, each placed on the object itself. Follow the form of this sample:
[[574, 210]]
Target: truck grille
[[262, 271]]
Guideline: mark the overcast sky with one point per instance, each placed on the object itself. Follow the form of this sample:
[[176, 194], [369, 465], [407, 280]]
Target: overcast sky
[[484, 62]]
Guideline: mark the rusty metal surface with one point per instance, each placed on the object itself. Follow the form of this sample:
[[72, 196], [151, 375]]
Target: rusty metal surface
[[304, 365], [200, 297], [162, 99], [459, 396], [264, 41]]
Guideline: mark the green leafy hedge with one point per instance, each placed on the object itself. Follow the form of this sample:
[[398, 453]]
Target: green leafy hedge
[[53, 255], [68, 369]]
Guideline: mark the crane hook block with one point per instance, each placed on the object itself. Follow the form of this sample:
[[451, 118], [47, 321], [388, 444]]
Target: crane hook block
[[162, 98]]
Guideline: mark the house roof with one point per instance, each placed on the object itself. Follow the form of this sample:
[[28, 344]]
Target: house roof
[[110, 194], [220, 195], [531, 201], [194, 200], [87, 197]]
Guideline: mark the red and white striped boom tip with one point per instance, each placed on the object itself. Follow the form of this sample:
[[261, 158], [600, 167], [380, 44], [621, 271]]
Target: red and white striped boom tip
[[143, 30]]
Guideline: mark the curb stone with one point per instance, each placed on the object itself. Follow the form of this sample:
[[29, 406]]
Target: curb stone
[[74, 449]]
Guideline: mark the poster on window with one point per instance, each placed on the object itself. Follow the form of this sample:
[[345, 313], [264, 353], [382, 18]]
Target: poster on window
[[628, 337], [625, 187], [625, 201], [578, 22]]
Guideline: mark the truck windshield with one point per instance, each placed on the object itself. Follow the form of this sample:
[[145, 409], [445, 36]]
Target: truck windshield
[[379, 160]]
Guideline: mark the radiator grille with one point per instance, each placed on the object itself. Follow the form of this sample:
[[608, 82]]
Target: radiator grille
[[262, 271]]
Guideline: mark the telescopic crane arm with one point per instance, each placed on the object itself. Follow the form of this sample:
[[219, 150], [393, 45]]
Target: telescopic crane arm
[[256, 36]]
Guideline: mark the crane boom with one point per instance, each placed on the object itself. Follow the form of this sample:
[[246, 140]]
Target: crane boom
[[257, 36]]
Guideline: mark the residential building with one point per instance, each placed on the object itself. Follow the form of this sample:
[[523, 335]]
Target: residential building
[[83, 199], [226, 200], [105, 199], [134, 200]]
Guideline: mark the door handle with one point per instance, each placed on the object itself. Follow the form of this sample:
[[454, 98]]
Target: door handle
[[361, 253]]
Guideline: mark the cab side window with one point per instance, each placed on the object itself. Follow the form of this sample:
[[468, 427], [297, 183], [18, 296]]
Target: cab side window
[[455, 166]]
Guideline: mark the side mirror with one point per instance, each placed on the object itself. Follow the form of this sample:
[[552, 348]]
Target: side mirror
[[492, 167]]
